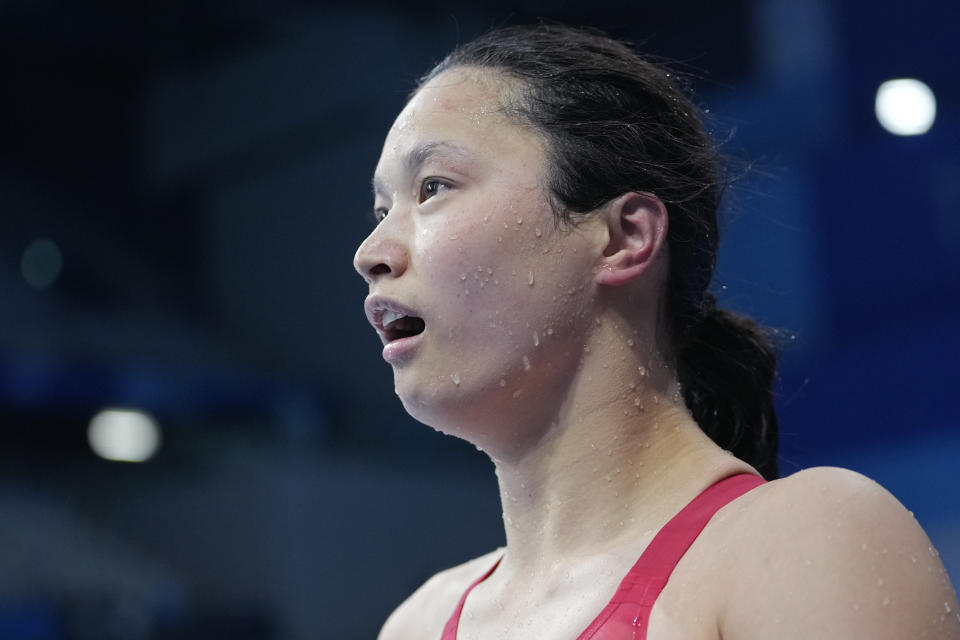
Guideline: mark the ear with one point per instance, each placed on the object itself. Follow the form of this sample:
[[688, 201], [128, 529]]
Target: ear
[[637, 228]]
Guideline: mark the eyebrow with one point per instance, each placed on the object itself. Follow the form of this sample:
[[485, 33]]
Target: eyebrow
[[420, 154]]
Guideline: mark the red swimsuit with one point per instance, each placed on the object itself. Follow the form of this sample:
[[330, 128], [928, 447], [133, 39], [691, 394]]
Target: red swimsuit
[[626, 615]]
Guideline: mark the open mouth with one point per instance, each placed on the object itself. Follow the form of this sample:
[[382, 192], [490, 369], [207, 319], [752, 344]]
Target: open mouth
[[397, 325]]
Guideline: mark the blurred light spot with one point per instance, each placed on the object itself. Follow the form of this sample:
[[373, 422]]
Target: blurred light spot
[[124, 435], [905, 107], [40, 263]]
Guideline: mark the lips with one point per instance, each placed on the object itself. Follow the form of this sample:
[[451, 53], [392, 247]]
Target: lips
[[399, 326]]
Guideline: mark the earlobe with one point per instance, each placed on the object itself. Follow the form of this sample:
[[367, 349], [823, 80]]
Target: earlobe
[[637, 228]]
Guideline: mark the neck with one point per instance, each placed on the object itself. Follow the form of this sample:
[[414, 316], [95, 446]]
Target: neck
[[618, 456]]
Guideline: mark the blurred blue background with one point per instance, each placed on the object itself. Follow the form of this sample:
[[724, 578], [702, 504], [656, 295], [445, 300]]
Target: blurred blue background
[[182, 187]]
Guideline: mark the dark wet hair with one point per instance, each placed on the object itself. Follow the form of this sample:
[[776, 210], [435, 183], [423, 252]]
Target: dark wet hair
[[616, 122]]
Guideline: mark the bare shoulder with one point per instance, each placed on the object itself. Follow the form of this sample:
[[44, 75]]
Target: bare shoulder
[[426, 611], [828, 553]]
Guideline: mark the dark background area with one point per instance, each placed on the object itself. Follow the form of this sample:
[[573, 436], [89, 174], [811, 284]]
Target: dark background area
[[203, 169]]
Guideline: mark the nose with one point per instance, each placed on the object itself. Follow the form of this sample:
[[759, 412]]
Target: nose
[[380, 255]]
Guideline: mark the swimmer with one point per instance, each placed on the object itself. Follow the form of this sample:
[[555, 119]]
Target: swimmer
[[546, 207]]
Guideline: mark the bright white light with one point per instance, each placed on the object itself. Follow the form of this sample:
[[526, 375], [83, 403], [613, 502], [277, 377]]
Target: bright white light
[[905, 107], [124, 435], [41, 263]]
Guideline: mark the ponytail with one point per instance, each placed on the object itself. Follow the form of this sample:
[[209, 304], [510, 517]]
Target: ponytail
[[726, 367]]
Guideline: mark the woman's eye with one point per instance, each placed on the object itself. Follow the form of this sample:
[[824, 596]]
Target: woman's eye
[[379, 214], [430, 187]]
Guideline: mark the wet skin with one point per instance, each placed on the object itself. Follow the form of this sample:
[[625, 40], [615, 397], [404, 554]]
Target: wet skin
[[467, 242]]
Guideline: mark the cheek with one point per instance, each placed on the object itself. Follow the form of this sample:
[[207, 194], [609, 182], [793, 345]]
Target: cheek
[[512, 287]]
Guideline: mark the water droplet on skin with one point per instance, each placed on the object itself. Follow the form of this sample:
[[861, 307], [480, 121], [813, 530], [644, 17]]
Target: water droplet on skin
[[455, 377], [879, 582], [530, 279], [549, 331], [503, 382], [519, 220], [946, 606], [516, 394], [643, 371], [526, 363], [637, 401], [463, 277], [913, 559], [630, 343], [537, 232], [453, 236], [499, 238], [886, 601], [536, 339]]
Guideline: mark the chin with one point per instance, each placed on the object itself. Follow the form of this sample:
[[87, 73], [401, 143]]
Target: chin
[[448, 410], [441, 414]]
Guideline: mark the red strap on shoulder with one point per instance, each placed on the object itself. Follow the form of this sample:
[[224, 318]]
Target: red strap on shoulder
[[450, 629], [628, 612]]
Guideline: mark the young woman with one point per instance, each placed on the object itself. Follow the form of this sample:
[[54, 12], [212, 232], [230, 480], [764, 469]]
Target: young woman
[[539, 277]]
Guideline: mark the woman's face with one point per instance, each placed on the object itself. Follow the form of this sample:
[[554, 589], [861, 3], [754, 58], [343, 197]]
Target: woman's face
[[497, 298]]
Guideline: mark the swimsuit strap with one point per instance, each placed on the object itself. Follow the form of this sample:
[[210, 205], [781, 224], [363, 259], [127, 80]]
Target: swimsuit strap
[[450, 629], [628, 612]]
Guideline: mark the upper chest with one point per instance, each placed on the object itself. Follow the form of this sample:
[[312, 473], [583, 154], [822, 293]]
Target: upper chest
[[687, 608]]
